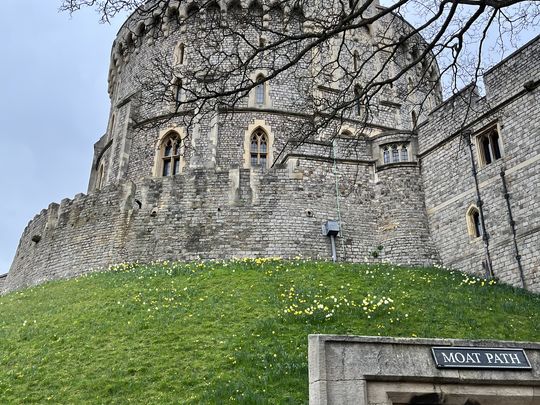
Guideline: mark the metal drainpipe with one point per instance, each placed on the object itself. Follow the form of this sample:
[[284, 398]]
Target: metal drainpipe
[[334, 145], [334, 253], [479, 203], [512, 226]]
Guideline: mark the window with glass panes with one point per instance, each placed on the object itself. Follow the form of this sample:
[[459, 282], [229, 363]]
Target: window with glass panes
[[259, 148], [171, 154]]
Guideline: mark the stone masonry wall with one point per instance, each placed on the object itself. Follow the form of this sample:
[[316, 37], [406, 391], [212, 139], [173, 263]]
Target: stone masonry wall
[[449, 185], [212, 214]]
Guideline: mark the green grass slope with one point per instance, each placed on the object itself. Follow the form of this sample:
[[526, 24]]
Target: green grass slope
[[228, 332]]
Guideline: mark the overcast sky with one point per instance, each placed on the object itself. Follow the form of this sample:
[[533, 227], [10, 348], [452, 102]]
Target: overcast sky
[[53, 107]]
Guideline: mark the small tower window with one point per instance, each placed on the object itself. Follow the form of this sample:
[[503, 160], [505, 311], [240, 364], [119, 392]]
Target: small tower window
[[171, 151], [259, 148], [179, 53], [474, 224], [355, 61], [358, 99], [260, 90]]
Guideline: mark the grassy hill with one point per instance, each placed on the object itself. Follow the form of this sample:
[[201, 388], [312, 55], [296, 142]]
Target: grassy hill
[[231, 331]]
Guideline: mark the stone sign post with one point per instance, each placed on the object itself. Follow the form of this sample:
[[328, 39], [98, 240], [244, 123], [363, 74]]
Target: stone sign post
[[398, 371]]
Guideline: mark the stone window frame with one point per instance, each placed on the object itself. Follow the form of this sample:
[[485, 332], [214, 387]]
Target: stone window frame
[[179, 54], [389, 151], [263, 85], [488, 143], [258, 148], [258, 125], [165, 135], [474, 222]]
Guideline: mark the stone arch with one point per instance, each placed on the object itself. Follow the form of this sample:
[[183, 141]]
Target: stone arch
[[474, 223], [347, 130]]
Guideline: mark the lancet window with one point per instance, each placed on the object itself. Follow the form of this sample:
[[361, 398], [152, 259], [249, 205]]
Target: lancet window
[[260, 90], [474, 224]]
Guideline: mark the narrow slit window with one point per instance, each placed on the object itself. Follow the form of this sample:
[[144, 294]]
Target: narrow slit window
[[179, 53], [358, 99], [260, 90]]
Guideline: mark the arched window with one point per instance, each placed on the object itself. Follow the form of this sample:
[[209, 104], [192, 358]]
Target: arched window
[[171, 150], [474, 224], [404, 153], [259, 148], [179, 52], [260, 90]]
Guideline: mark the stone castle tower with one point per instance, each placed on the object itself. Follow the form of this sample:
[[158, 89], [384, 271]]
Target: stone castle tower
[[177, 179]]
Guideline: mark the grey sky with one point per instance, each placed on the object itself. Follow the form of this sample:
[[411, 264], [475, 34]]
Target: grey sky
[[53, 107]]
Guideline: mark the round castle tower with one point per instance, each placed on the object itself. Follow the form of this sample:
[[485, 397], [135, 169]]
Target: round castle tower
[[189, 169]]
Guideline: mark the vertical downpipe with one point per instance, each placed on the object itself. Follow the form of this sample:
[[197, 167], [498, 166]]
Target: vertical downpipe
[[334, 145], [512, 226], [334, 253]]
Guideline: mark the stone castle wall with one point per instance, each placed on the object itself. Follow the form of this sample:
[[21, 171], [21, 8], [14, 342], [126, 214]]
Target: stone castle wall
[[406, 212], [223, 214], [449, 185]]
